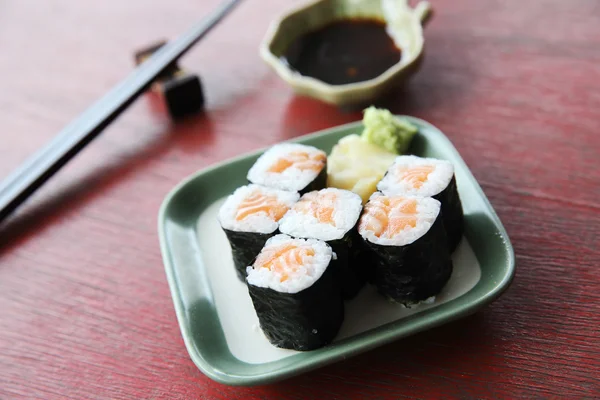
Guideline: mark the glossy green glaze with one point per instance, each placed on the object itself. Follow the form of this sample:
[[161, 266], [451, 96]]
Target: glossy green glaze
[[191, 289]]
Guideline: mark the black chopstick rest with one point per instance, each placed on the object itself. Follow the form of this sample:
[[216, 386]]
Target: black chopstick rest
[[183, 95], [182, 91]]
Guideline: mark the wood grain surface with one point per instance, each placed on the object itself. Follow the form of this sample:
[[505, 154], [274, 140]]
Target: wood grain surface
[[85, 307]]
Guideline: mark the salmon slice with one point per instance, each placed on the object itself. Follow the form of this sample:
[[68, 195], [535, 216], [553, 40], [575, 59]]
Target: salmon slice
[[299, 159], [386, 217], [319, 205], [415, 176], [284, 259], [258, 202]]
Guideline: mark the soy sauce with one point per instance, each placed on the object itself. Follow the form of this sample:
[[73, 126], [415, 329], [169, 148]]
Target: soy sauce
[[345, 51]]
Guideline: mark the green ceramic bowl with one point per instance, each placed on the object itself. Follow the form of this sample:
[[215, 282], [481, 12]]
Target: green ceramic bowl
[[404, 26], [215, 314]]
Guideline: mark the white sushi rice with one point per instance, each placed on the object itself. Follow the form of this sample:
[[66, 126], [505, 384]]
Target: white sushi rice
[[301, 276], [347, 208], [436, 181], [259, 222], [427, 212], [292, 178]]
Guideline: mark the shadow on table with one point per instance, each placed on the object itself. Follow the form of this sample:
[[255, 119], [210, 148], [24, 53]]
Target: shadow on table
[[305, 115], [35, 215], [460, 349]]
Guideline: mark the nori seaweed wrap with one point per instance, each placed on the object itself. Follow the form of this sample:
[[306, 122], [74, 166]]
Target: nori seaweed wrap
[[331, 215], [428, 177], [249, 217], [348, 270], [295, 293], [290, 166], [408, 243], [245, 246], [452, 214]]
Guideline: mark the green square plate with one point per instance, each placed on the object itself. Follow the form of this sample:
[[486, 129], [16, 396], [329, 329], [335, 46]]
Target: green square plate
[[213, 307]]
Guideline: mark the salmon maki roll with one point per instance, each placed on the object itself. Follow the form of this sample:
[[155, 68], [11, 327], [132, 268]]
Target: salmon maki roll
[[330, 215], [249, 217], [428, 177], [290, 166], [409, 247], [295, 294]]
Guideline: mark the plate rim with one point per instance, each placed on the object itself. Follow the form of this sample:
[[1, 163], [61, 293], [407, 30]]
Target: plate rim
[[238, 380]]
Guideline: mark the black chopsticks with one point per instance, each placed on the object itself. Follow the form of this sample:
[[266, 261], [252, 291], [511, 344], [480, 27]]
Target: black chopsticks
[[35, 171]]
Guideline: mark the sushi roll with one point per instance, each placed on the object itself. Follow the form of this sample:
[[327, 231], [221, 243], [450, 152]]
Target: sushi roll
[[330, 215], [428, 177], [290, 166], [295, 294], [409, 246], [249, 217]]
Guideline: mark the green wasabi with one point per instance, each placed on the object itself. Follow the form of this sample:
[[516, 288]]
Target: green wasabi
[[383, 129]]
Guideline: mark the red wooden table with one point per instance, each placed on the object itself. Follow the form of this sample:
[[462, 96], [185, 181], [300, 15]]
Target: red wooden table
[[85, 307]]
